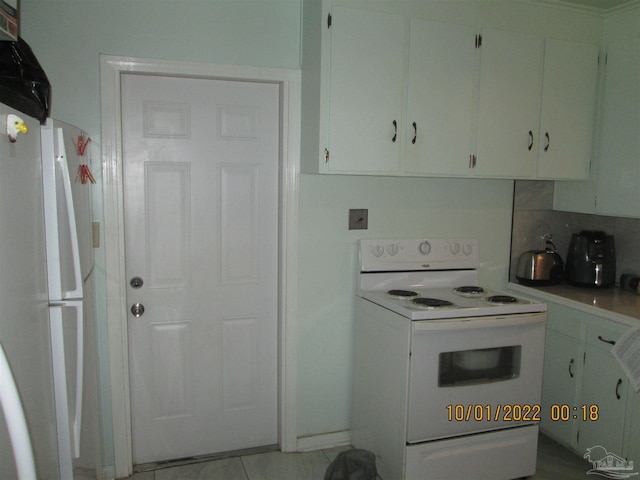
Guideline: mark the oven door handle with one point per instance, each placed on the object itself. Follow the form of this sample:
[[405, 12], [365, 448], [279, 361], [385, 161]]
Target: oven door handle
[[470, 323]]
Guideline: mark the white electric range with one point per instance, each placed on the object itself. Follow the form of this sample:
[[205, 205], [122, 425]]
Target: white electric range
[[443, 363]]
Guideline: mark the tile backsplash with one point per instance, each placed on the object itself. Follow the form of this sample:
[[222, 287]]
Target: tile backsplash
[[534, 217]]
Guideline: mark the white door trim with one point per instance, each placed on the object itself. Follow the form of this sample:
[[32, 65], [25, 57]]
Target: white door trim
[[111, 68]]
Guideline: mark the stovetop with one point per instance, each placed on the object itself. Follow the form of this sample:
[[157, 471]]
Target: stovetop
[[455, 305], [417, 279]]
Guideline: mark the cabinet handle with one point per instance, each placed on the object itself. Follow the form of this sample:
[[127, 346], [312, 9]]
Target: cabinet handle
[[617, 388], [610, 342], [571, 362], [546, 147], [415, 133], [530, 140], [395, 131]]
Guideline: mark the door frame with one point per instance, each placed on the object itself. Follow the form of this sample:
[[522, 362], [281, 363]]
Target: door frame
[[111, 69]]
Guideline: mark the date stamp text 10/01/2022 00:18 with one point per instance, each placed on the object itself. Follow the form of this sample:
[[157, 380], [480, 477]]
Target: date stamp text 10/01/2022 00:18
[[520, 413]]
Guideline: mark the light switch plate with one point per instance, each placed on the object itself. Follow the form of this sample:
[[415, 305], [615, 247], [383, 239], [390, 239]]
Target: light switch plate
[[358, 219]]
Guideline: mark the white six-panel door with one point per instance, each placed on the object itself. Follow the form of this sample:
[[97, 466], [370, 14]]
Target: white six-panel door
[[200, 174]]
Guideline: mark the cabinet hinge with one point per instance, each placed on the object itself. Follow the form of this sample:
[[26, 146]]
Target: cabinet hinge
[[329, 21], [326, 155], [478, 41], [584, 358], [472, 161]]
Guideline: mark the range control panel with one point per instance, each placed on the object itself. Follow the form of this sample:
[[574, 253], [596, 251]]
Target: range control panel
[[380, 255]]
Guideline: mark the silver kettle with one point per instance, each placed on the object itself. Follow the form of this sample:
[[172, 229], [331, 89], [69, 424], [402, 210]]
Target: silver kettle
[[541, 267]]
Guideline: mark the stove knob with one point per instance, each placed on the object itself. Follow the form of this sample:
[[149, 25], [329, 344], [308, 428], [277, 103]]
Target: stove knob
[[377, 250], [467, 249], [392, 249], [454, 248], [425, 248]]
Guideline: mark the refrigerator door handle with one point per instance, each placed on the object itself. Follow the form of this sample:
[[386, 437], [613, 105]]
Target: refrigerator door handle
[[69, 427], [77, 420], [60, 391], [16, 422], [71, 214]]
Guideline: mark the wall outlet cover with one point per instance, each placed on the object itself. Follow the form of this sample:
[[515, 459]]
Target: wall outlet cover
[[358, 219]]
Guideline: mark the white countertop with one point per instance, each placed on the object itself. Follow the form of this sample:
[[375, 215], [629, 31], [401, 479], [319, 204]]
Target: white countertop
[[614, 303]]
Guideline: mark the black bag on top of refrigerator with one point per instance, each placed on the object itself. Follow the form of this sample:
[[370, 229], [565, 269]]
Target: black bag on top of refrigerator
[[23, 84]]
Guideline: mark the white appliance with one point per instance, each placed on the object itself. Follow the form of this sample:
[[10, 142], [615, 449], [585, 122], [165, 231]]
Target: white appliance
[[25, 378], [70, 264], [448, 374]]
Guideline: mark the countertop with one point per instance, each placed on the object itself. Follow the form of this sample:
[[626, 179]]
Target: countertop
[[614, 303]]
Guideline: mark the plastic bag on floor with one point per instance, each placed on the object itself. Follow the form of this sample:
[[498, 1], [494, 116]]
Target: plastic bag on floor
[[352, 465]]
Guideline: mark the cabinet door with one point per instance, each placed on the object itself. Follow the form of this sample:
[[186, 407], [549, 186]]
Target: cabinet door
[[562, 368], [568, 109], [618, 182], [604, 386], [366, 88], [440, 99], [632, 442], [509, 104]]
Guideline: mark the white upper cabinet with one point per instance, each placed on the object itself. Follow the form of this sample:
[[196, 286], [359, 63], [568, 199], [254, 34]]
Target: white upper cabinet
[[537, 106], [391, 91], [440, 98], [366, 92], [509, 104], [567, 121], [618, 179], [613, 187]]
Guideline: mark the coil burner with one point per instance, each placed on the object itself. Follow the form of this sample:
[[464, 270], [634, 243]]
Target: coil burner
[[501, 300], [432, 303], [402, 294], [470, 291]]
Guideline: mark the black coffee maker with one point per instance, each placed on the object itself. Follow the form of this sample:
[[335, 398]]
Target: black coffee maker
[[591, 261]]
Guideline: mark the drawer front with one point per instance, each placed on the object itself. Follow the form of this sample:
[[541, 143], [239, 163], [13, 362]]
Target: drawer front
[[603, 334], [565, 320]]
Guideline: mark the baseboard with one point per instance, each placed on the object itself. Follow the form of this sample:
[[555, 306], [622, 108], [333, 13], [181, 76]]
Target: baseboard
[[108, 472], [324, 440]]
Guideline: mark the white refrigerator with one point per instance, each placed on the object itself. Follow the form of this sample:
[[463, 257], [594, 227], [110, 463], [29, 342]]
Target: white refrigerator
[[48, 384], [26, 381], [70, 265]]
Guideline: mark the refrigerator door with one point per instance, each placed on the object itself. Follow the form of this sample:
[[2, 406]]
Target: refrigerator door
[[24, 320], [70, 265], [67, 212], [67, 350]]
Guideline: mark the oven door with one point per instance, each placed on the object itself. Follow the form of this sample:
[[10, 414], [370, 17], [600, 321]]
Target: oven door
[[469, 375]]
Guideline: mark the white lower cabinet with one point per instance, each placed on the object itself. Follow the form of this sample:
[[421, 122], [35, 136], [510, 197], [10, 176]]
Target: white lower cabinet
[[562, 367], [632, 445], [602, 402], [586, 397]]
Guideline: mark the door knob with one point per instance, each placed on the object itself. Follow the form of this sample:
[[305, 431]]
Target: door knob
[[136, 282], [137, 309]]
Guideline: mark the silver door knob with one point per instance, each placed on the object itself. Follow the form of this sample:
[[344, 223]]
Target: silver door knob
[[137, 309]]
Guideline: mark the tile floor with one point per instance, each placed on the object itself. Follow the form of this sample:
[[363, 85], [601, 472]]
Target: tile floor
[[554, 463]]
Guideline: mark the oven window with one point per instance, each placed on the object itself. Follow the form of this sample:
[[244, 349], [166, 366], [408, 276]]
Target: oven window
[[486, 365]]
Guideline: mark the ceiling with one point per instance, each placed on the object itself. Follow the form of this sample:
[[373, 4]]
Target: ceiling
[[601, 4]]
